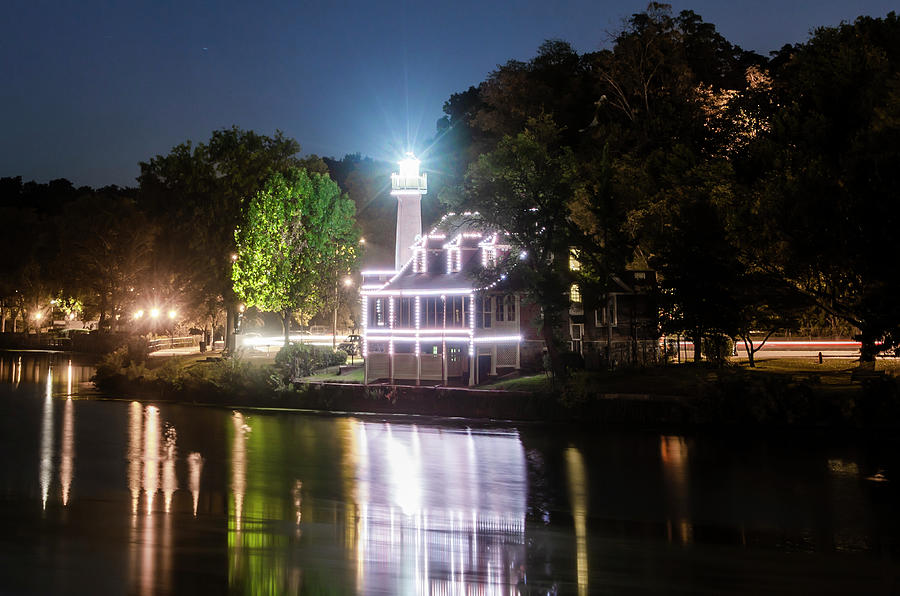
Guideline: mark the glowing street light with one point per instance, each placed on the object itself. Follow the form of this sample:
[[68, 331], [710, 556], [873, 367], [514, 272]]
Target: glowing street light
[[154, 313], [348, 281], [172, 314], [38, 316], [137, 315]]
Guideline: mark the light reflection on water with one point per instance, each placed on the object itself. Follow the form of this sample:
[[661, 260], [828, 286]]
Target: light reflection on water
[[46, 469], [151, 454], [579, 499], [301, 503], [673, 454], [445, 508], [425, 511]]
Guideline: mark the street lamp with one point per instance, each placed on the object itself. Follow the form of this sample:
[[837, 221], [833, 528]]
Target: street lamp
[[154, 313], [172, 314]]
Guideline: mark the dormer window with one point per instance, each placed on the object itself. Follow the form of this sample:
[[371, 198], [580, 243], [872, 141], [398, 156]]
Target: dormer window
[[574, 263], [419, 262], [488, 257], [455, 258]]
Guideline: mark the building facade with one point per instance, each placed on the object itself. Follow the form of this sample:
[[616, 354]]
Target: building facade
[[435, 319], [429, 322], [623, 329]]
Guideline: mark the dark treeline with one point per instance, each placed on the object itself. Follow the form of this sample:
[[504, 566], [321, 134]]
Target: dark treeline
[[762, 189]]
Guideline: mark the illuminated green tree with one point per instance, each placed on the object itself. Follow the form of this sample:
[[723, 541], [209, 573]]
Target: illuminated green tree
[[198, 194], [299, 234]]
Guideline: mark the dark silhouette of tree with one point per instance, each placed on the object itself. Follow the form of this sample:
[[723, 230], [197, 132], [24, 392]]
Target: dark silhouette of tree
[[825, 174]]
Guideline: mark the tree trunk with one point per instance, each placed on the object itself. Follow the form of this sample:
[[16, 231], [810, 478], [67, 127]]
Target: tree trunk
[[748, 345], [697, 339], [229, 328], [286, 322], [556, 364], [633, 329], [867, 349], [102, 316], [608, 333]]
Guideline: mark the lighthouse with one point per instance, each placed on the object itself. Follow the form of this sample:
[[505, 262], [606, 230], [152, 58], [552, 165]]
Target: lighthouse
[[408, 186]]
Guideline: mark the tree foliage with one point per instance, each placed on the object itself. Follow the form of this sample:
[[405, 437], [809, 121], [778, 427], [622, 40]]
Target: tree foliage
[[523, 188], [198, 194], [298, 241]]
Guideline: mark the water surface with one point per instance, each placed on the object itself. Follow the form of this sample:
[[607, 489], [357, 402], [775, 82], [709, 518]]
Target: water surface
[[117, 496]]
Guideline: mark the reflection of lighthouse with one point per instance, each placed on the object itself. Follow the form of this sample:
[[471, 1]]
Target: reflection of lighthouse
[[445, 509], [408, 186]]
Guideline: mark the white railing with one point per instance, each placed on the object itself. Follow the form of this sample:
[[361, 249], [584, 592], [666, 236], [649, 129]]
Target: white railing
[[166, 343]]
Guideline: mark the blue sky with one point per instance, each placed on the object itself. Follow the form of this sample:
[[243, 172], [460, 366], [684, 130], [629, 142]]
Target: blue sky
[[88, 89]]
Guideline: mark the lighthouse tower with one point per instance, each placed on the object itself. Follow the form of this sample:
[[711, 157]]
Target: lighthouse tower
[[408, 186]]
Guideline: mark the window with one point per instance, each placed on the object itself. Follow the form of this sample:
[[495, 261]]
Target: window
[[454, 256], [498, 313], [577, 333], [488, 257], [575, 293], [574, 263], [510, 308], [432, 314], [458, 311], [640, 275], [419, 263], [609, 313], [407, 312], [486, 312]]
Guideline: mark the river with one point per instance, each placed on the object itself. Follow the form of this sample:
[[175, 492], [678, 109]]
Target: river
[[111, 496]]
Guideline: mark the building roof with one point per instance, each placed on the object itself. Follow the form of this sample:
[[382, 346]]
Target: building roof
[[437, 250]]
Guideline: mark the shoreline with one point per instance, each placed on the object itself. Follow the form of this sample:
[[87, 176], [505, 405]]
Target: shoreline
[[781, 396], [637, 411]]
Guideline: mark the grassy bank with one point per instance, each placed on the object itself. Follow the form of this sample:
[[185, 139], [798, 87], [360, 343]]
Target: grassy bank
[[777, 393]]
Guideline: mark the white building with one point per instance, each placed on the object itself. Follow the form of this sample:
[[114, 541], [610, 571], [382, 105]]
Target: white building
[[427, 320]]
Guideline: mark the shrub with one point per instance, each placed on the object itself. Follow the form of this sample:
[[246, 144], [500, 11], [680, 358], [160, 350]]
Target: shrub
[[717, 349], [758, 399], [117, 367], [296, 361]]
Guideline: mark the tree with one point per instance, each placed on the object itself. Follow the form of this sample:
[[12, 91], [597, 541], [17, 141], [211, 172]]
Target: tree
[[825, 175], [698, 269], [198, 195], [299, 231], [523, 188], [109, 252]]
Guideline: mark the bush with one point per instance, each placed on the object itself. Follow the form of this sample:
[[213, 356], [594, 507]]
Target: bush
[[116, 368], [717, 349], [296, 361], [758, 399]]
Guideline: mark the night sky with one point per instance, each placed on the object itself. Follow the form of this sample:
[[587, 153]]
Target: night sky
[[89, 88]]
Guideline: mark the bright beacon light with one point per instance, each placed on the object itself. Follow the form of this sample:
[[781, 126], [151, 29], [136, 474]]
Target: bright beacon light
[[409, 166]]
